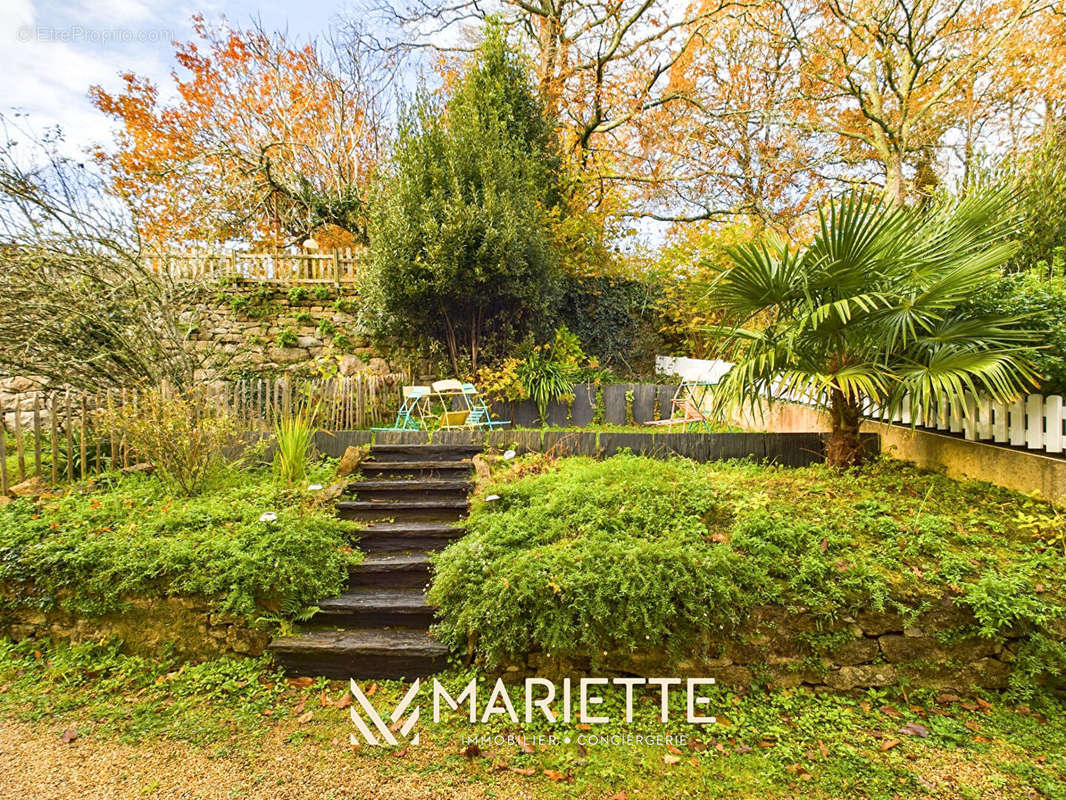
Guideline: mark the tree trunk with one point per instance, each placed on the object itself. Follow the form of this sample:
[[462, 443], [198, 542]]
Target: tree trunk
[[894, 178], [453, 345], [844, 448]]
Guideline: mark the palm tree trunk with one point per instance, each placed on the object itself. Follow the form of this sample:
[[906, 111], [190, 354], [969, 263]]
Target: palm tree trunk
[[844, 448]]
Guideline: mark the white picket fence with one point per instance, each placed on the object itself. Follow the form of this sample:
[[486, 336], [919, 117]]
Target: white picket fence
[[1036, 422]]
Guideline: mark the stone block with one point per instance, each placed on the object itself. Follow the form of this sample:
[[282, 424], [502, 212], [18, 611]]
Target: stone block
[[861, 677], [859, 651], [875, 623], [896, 648]]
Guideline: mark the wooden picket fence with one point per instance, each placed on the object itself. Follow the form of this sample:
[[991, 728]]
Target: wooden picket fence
[[285, 266], [57, 435], [1035, 422]]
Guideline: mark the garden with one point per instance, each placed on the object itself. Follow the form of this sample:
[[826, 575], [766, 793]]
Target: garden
[[539, 417]]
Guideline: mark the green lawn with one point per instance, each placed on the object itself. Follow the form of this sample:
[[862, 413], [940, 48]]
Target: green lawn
[[247, 718]]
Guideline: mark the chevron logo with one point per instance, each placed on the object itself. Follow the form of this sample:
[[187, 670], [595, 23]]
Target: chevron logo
[[385, 734]]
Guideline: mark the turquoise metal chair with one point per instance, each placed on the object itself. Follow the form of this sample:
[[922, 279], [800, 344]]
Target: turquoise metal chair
[[407, 418], [480, 417]]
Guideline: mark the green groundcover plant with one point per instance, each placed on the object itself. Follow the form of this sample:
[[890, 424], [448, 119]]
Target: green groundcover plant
[[118, 537], [584, 557]]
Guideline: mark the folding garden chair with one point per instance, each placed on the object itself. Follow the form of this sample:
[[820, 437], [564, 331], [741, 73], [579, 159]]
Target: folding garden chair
[[480, 417], [687, 399], [409, 417]]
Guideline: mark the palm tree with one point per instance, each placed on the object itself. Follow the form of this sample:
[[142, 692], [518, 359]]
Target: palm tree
[[875, 309]]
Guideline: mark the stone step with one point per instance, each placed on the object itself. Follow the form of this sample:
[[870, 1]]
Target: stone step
[[403, 510], [416, 489], [415, 470], [397, 537], [361, 654], [373, 608], [424, 452], [390, 571]]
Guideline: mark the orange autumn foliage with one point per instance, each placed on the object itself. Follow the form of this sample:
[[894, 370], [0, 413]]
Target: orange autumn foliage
[[264, 141]]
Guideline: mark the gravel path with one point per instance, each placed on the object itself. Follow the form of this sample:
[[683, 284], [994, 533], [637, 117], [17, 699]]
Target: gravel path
[[36, 765]]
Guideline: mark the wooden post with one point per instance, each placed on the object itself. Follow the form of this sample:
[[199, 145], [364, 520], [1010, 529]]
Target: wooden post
[[337, 269], [112, 438], [70, 440], [96, 431], [84, 443], [53, 422], [37, 434], [3, 458], [19, 447]]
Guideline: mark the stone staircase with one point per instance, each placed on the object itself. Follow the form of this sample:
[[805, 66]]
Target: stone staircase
[[411, 499]]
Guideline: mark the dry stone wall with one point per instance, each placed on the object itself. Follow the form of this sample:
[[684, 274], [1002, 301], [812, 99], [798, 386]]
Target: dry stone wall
[[783, 648]]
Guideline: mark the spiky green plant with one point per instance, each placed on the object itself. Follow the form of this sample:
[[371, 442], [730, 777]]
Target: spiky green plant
[[544, 380], [294, 434], [875, 309]]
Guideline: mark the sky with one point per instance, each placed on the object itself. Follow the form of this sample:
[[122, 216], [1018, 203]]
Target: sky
[[51, 52]]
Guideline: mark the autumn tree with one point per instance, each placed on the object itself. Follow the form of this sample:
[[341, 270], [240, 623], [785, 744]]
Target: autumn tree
[[600, 66], [79, 307], [266, 140], [730, 153], [884, 75]]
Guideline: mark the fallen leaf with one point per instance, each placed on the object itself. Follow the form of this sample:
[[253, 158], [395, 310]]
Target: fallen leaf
[[526, 746], [373, 690], [890, 711], [619, 796], [889, 744], [554, 775], [914, 729], [523, 770], [299, 708], [300, 683], [696, 745], [69, 735], [400, 753], [823, 749], [305, 718], [583, 726], [675, 750], [865, 707], [670, 759], [946, 698], [345, 701], [471, 751], [742, 748], [323, 700]]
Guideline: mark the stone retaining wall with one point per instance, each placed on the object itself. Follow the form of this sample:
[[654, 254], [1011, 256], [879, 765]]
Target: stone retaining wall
[[783, 649], [259, 327], [190, 626]]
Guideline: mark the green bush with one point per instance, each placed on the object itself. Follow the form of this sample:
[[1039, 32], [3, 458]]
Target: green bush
[[129, 536], [635, 553], [286, 338], [616, 319], [1043, 303]]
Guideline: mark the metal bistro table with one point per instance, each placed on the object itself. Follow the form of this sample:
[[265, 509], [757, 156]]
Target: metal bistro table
[[461, 407]]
